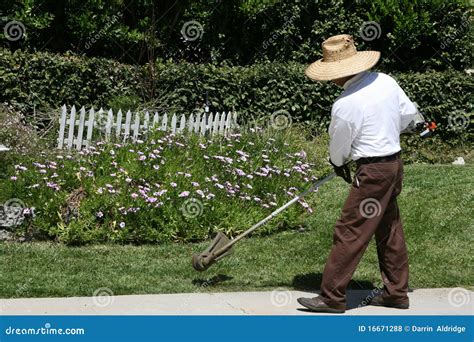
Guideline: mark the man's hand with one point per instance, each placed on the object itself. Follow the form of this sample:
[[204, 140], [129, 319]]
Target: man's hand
[[342, 171]]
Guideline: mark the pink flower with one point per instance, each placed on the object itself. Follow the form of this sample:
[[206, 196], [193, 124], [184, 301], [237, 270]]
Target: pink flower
[[173, 184]]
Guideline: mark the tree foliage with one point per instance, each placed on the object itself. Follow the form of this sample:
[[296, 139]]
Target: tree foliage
[[414, 34]]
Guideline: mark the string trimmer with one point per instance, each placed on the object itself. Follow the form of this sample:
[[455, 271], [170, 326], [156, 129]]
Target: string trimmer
[[221, 245]]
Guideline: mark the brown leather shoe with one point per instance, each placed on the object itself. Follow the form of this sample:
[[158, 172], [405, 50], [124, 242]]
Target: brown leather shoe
[[317, 304], [381, 301]]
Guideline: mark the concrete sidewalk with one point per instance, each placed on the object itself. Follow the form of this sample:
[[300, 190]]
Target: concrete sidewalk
[[445, 301]]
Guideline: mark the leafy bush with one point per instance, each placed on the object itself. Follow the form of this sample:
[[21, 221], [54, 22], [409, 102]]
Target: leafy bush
[[171, 188], [44, 79]]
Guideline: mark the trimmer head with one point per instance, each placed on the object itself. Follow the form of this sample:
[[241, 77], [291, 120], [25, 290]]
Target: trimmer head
[[214, 252]]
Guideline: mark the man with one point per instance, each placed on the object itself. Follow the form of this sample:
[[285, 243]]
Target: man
[[366, 121]]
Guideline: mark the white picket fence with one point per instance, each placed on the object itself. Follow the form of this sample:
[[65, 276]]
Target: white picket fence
[[76, 130]]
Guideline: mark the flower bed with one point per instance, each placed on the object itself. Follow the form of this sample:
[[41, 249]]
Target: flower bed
[[169, 188]]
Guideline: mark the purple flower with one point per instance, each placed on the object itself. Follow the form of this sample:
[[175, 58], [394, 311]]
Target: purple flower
[[134, 195], [240, 172], [301, 154], [52, 186], [161, 192], [184, 194], [99, 214], [173, 184], [122, 225], [195, 184], [13, 178]]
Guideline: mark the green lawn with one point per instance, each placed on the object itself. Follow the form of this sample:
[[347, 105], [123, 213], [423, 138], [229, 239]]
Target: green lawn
[[437, 209]]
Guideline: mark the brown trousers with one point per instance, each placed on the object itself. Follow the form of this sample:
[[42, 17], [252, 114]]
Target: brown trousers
[[371, 208]]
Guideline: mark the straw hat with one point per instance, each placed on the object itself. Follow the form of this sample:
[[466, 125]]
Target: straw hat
[[340, 59]]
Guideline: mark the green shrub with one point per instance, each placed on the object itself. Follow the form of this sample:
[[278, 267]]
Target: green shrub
[[254, 91]]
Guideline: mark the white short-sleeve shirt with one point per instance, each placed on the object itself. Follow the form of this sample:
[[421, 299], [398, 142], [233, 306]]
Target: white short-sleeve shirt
[[366, 120]]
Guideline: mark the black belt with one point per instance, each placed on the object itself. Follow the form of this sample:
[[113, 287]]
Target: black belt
[[369, 160]]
